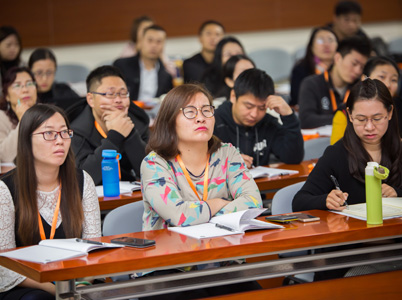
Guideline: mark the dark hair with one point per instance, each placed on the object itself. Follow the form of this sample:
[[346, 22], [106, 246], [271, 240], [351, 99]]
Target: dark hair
[[230, 65], [26, 181], [8, 80], [356, 43], [96, 76], [135, 26], [40, 54], [164, 139], [154, 27], [309, 57], [6, 31], [213, 76], [368, 90], [209, 22], [347, 7], [255, 82], [373, 62]]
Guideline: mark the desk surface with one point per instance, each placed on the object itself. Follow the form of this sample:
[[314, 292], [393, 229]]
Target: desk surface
[[264, 184], [173, 249]]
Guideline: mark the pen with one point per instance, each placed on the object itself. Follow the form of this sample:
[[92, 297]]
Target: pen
[[338, 187], [224, 227], [88, 242]]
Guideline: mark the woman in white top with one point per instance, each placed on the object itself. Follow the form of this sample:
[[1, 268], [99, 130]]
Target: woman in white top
[[19, 94], [65, 206]]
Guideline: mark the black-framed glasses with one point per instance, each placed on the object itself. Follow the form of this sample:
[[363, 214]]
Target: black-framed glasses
[[112, 95], [52, 135], [47, 73], [190, 112]]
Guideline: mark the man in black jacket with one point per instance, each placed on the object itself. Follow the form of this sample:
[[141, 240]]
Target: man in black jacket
[[321, 95], [109, 121], [244, 122], [146, 76]]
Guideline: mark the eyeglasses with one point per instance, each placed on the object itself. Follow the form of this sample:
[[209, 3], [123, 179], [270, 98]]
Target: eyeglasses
[[322, 41], [43, 73], [190, 112], [52, 135], [362, 121], [112, 95], [19, 86]]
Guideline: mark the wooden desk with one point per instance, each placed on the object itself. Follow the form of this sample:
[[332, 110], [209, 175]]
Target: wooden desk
[[266, 185], [174, 250]]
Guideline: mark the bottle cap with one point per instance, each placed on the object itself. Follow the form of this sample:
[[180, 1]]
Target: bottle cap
[[109, 153]]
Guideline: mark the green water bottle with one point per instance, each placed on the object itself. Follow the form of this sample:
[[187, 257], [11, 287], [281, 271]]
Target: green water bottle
[[374, 174]]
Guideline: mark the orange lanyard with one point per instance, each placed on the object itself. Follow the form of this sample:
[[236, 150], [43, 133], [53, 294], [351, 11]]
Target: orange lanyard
[[54, 222], [185, 172], [103, 134], [332, 94]]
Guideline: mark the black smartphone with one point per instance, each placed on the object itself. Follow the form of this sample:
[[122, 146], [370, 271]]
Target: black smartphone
[[282, 218], [133, 242]]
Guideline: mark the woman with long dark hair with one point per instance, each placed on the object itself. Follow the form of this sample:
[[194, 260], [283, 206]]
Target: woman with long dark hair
[[320, 52], [213, 76], [43, 65], [10, 50], [19, 94], [372, 134], [45, 197]]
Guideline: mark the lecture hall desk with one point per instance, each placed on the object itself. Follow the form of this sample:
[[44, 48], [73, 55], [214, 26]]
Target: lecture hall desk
[[266, 185], [174, 250]]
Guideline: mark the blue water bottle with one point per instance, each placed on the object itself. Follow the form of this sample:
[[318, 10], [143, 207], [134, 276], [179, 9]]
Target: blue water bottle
[[110, 173]]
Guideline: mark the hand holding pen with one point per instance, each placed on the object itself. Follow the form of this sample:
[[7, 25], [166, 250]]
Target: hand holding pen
[[336, 199]]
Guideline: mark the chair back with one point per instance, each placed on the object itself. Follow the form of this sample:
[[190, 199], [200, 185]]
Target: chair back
[[71, 73], [124, 219], [315, 148], [276, 62], [395, 45], [282, 201]]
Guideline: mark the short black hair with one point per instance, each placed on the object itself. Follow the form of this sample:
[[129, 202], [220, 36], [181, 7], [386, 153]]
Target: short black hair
[[373, 62], [40, 54], [154, 27], [96, 76], [255, 82], [209, 22], [357, 43], [348, 7]]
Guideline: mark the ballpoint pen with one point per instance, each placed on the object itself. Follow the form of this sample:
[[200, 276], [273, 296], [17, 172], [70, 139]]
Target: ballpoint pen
[[338, 188], [89, 242], [224, 227]]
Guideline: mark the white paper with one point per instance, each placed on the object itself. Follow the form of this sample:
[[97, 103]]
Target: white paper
[[391, 208], [126, 188], [260, 171]]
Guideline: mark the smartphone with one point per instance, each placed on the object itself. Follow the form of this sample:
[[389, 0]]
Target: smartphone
[[307, 218], [133, 242], [282, 218]]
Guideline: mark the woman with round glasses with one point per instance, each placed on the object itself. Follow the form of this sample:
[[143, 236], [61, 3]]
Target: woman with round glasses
[[19, 94], [190, 176], [320, 52], [65, 206], [372, 134], [42, 63]]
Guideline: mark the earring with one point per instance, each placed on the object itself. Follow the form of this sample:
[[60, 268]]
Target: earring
[[8, 105]]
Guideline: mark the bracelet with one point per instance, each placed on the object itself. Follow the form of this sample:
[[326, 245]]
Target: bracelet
[[82, 282]]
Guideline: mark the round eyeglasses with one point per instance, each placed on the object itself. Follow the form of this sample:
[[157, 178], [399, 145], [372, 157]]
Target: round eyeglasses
[[190, 112], [52, 135]]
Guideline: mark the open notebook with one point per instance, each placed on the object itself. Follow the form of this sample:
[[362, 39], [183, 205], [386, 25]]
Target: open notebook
[[270, 172], [126, 187], [57, 249], [233, 223], [391, 208]]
